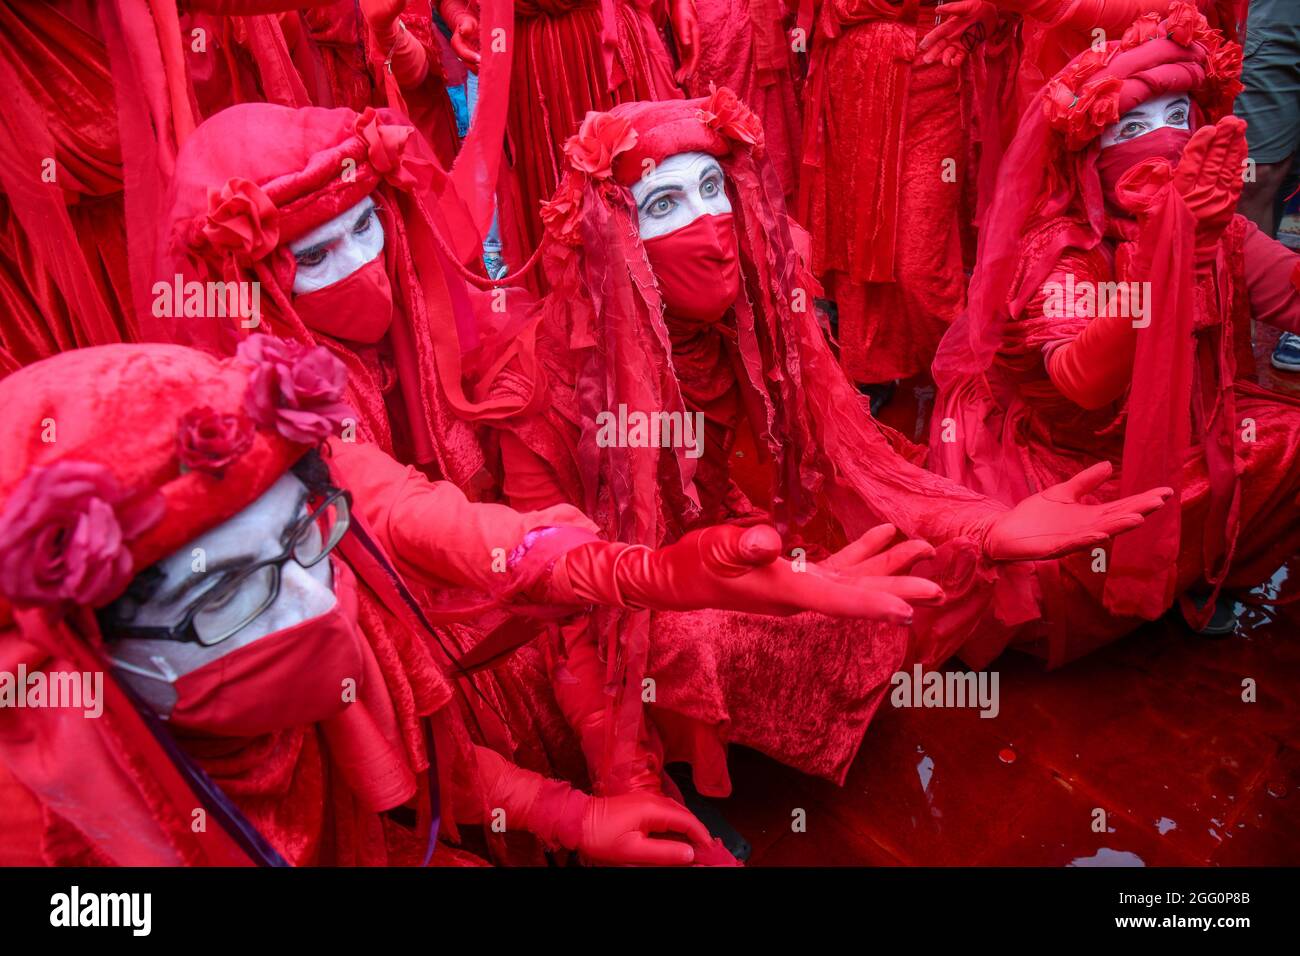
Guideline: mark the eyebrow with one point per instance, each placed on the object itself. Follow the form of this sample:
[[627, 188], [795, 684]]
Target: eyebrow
[[662, 188], [325, 244], [709, 170], [173, 595]]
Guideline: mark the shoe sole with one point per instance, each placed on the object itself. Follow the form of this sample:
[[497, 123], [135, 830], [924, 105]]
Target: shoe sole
[[1284, 366]]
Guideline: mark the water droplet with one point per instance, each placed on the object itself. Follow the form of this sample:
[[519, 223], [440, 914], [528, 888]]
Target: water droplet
[[1007, 755]]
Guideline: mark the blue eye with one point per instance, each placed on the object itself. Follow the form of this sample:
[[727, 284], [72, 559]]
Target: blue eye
[[662, 206]]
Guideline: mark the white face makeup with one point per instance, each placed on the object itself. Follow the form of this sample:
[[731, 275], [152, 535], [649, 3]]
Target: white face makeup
[[677, 192], [254, 534], [334, 251], [1172, 109]]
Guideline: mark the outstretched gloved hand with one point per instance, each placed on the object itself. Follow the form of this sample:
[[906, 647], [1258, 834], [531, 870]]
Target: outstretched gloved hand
[[740, 569], [1054, 522]]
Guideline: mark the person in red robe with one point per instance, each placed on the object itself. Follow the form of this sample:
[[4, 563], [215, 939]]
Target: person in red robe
[[1110, 322], [748, 50], [704, 315], [571, 57], [343, 223], [270, 691]]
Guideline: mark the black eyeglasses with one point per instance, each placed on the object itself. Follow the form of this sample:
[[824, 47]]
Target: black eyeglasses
[[235, 598]]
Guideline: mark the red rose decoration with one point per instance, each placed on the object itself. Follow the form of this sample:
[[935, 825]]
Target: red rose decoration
[[1185, 24], [386, 148], [1223, 79], [295, 389], [1144, 28], [64, 534], [599, 139], [1082, 116], [211, 442], [562, 215], [725, 114], [241, 220]]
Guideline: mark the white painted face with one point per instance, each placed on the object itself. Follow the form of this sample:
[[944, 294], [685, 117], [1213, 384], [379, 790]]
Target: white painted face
[[334, 251], [150, 666], [677, 192], [1172, 109]]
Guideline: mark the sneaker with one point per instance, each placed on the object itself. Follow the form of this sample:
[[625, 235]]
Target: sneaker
[[1286, 356], [495, 266]]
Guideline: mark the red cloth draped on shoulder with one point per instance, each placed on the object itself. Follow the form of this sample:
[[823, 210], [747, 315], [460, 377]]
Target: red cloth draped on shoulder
[[112, 789], [570, 57], [255, 177], [829, 471], [1016, 434]]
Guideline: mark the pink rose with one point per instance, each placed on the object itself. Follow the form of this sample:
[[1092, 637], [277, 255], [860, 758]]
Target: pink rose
[[242, 220], [64, 534], [599, 139], [725, 114], [209, 441], [294, 389]]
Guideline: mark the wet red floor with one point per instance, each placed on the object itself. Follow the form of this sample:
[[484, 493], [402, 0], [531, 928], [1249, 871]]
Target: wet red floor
[[1152, 730]]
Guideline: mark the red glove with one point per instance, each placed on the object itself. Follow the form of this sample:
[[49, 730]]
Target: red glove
[[738, 569], [686, 31], [608, 830], [1054, 523], [1097, 366], [1208, 177], [579, 690], [1080, 14], [966, 23], [249, 7], [464, 37], [403, 53]]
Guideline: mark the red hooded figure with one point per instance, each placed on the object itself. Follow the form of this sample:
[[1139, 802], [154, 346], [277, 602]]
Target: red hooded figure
[[711, 321], [255, 179], [1048, 371]]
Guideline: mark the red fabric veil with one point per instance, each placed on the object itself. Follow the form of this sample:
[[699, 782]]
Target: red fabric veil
[[257, 176], [1049, 200]]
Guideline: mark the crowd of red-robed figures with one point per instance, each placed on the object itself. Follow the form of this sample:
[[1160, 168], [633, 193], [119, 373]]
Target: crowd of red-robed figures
[[326, 501]]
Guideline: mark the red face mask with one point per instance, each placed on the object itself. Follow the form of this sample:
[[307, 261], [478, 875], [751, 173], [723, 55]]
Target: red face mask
[[697, 268], [288, 678], [1114, 161], [358, 308]]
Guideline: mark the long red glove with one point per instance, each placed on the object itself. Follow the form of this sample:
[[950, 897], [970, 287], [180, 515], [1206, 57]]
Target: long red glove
[[739, 569], [1095, 367], [464, 30], [237, 8], [609, 830], [403, 53], [1055, 522], [686, 31]]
